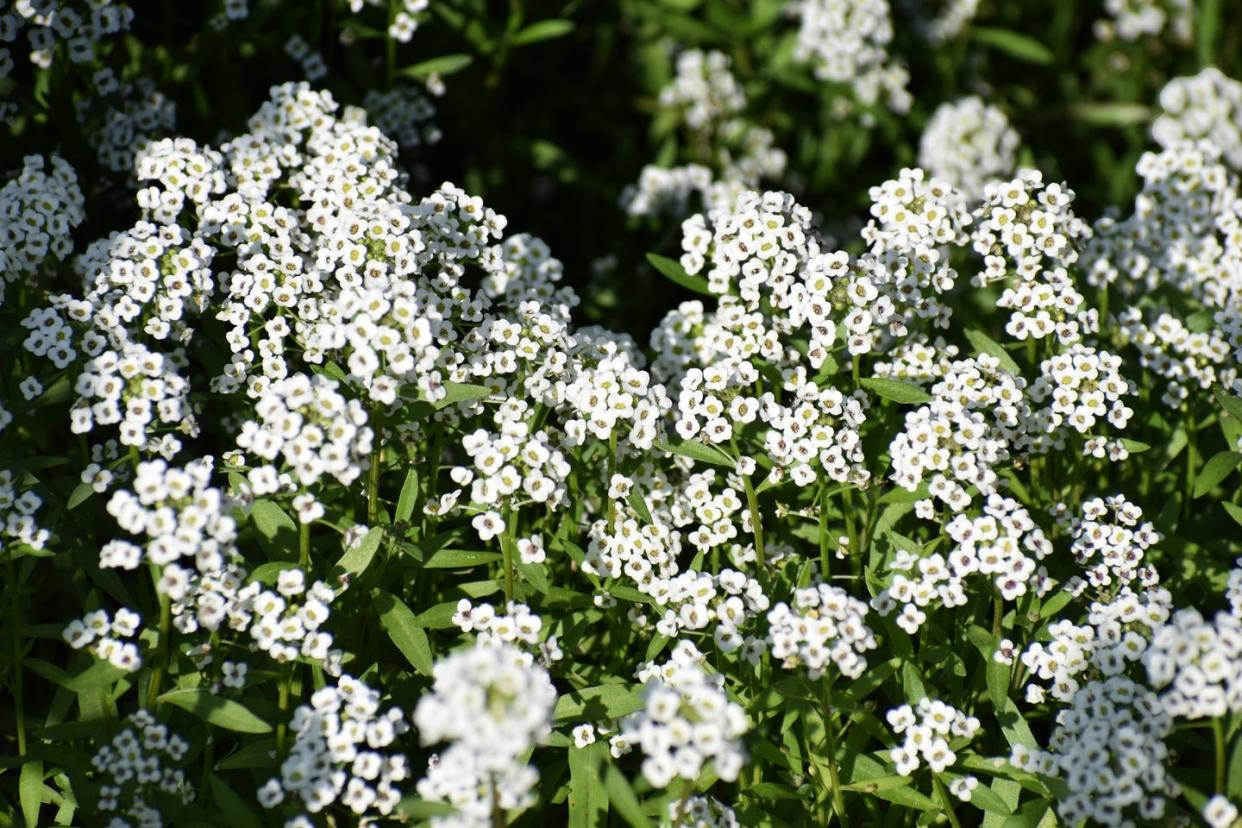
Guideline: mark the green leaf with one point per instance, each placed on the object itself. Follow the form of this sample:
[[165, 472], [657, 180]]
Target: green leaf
[[58, 392], [1111, 114], [674, 272], [535, 574], [1135, 446], [1215, 470], [359, 556], [903, 495], [1034, 814], [98, 675], [601, 701], [414, 807], [543, 30], [408, 498], [1231, 404], [624, 800], [459, 559], [1207, 29], [588, 800], [639, 504], [985, 344], [232, 807], [403, 628], [260, 754], [900, 793], [444, 65], [897, 391], [269, 572], [1234, 511], [215, 710], [459, 392], [1020, 46], [278, 534], [1053, 605], [696, 450], [80, 494], [438, 617], [869, 681], [30, 787], [1234, 785], [990, 801], [772, 791]]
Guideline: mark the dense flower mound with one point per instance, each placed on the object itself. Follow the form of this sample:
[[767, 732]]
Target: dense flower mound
[[327, 500]]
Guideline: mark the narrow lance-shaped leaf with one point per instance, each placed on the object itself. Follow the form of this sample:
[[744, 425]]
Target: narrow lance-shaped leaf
[[1020, 46], [698, 451], [1215, 470], [444, 65], [675, 273], [404, 630], [359, 556], [897, 391], [215, 710], [543, 30]]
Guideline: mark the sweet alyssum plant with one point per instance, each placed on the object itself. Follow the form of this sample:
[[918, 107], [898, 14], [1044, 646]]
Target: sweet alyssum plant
[[356, 525]]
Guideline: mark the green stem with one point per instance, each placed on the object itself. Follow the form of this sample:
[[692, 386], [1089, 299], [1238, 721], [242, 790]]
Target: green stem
[[498, 814], [998, 613], [1218, 738], [161, 644], [304, 546], [1192, 461], [825, 552], [390, 51], [612, 469], [373, 481], [282, 702], [18, 692], [506, 549], [830, 743], [945, 802], [756, 525]]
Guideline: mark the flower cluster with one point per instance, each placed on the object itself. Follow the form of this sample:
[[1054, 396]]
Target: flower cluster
[[976, 420], [701, 812], [39, 208], [181, 516], [1181, 234], [687, 721], [847, 42], [137, 767], [928, 727], [287, 622], [306, 421], [941, 22], [18, 505], [1003, 542], [519, 627], [1079, 387], [1109, 542], [825, 627], [341, 753], [1116, 635], [1134, 19], [80, 25], [731, 153], [103, 636], [1109, 747], [1196, 664], [1206, 106], [967, 143], [493, 704]]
